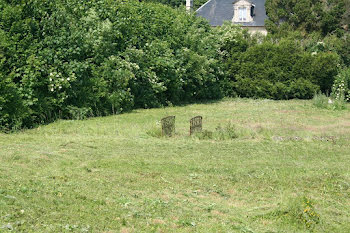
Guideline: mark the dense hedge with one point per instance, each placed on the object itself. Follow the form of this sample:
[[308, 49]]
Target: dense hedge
[[282, 69], [325, 17], [72, 59], [179, 3], [65, 57]]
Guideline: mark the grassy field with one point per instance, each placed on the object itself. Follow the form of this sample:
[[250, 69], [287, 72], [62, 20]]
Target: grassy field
[[269, 166]]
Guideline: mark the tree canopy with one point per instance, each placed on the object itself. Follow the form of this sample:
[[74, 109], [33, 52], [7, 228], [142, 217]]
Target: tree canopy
[[330, 16], [71, 59], [177, 3]]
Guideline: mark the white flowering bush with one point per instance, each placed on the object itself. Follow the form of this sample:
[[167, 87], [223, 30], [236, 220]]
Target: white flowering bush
[[340, 89]]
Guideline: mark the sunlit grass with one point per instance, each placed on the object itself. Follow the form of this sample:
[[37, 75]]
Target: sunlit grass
[[115, 173]]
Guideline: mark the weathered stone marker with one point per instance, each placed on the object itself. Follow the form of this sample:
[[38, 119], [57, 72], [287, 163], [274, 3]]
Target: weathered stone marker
[[196, 124], [168, 126]]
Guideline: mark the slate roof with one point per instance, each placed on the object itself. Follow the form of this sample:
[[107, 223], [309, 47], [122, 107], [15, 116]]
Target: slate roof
[[218, 11]]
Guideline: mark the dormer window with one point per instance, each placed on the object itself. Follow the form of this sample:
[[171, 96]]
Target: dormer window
[[243, 11]]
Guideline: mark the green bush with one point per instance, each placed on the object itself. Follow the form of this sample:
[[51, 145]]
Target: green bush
[[72, 59], [280, 70], [12, 108], [315, 43], [341, 86], [302, 89], [306, 15], [62, 57], [177, 3]]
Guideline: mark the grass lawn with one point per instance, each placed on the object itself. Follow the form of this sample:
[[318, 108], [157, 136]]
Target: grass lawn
[[270, 166]]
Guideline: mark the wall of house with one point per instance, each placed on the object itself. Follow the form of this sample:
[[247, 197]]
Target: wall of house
[[253, 30]]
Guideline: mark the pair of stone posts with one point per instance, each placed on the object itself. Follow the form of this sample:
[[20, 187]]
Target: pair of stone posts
[[168, 125]]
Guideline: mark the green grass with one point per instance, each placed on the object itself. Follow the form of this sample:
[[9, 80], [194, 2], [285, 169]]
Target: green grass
[[285, 170]]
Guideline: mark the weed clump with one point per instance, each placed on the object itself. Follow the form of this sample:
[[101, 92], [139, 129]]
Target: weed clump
[[300, 211], [307, 214], [205, 134], [221, 133], [227, 132], [320, 100]]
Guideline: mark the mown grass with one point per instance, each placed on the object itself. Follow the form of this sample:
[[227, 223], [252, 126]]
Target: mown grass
[[286, 171]]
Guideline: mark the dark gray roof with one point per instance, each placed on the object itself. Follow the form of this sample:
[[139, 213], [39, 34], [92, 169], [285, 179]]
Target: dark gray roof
[[218, 11]]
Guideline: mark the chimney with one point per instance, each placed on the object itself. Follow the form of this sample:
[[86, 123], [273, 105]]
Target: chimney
[[189, 5]]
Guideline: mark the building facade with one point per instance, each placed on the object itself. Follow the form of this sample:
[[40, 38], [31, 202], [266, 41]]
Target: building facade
[[250, 14]]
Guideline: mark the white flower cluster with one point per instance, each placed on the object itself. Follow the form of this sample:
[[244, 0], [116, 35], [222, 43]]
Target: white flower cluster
[[340, 90], [57, 81]]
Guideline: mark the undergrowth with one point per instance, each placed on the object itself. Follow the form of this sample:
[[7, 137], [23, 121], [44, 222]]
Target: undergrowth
[[322, 101]]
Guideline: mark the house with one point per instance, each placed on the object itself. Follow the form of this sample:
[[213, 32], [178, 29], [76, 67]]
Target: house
[[251, 14]]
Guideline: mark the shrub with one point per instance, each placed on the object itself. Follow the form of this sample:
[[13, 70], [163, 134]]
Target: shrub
[[324, 69], [281, 70], [78, 113], [177, 3], [72, 59], [13, 111], [302, 89], [100, 57], [341, 86]]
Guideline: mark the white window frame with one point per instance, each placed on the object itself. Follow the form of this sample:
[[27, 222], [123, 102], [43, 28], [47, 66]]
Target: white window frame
[[242, 14]]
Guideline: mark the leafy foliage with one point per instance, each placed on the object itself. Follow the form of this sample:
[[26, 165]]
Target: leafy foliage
[[341, 86], [72, 59], [277, 70], [306, 15], [102, 55], [177, 3], [321, 25]]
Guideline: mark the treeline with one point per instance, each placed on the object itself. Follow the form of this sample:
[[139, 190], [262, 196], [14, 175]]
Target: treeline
[[306, 48], [179, 3], [308, 16], [287, 69], [71, 59]]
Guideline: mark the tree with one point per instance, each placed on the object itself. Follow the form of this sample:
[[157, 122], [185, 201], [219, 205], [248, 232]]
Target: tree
[[306, 15], [177, 3]]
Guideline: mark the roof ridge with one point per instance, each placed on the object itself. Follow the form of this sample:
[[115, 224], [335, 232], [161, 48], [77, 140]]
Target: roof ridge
[[218, 11], [235, 1], [203, 5]]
